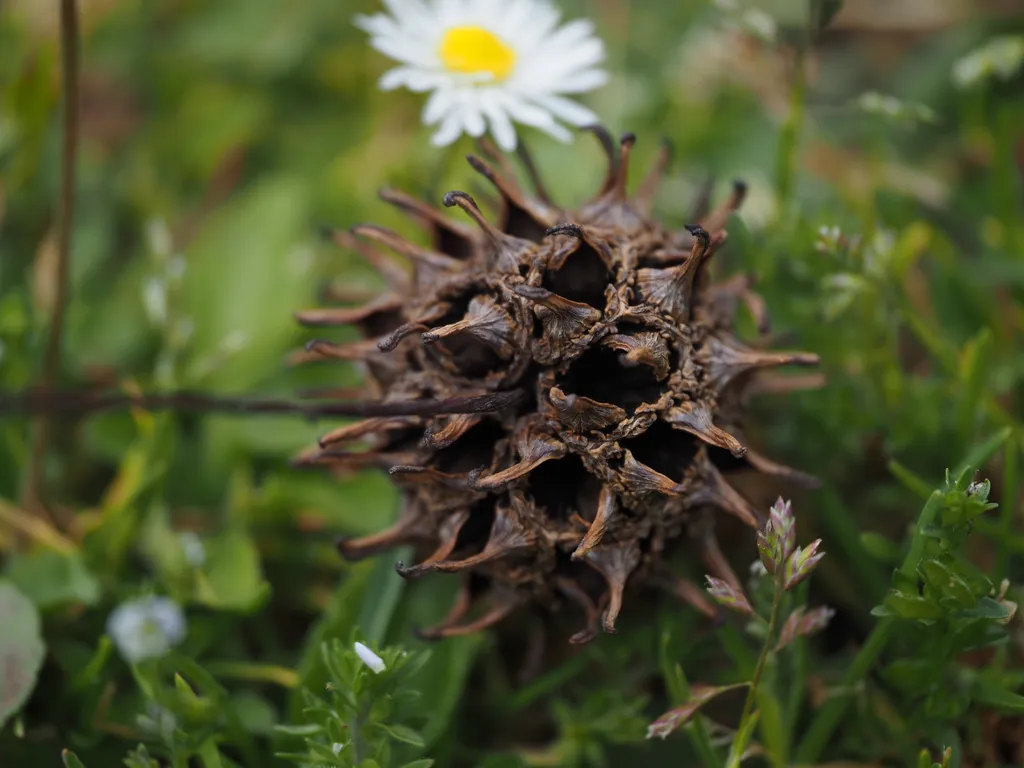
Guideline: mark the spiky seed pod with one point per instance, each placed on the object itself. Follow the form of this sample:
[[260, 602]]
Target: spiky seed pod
[[633, 391]]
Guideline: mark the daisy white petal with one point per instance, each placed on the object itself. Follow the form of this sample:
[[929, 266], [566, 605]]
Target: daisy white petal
[[501, 126], [566, 110], [438, 105], [451, 128], [583, 82]]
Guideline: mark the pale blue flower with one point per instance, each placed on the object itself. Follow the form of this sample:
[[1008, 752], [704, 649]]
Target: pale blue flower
[[146, 627], [192, 546]]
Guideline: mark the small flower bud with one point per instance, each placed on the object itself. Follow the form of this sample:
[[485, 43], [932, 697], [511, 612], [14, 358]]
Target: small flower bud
[[801, 563], [370, 659], [729, 596], [804, 624]]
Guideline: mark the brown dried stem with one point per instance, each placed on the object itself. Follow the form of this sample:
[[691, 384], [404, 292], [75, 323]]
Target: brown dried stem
[[69, 48], [72, 401]]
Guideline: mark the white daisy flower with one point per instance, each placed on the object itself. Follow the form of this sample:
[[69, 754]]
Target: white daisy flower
[[489, 63]]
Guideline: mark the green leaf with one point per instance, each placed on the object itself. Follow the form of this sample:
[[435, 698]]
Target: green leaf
[[51, 579], [21, 649], [311, 729], [740, 741], [977, 634], [910, 480], [424, 763], [911, 674], [403, 733], [244, 275], [979, 456], [973, 374], [382, 596], [71, 759], [233, 580], [772, 730], [987, 608], [913, 606]]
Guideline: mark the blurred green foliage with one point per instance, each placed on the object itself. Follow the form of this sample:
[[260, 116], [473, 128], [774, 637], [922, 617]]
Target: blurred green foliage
[[884, 223]]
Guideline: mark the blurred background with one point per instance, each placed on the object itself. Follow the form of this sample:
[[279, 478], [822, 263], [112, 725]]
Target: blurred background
[[884, 156]]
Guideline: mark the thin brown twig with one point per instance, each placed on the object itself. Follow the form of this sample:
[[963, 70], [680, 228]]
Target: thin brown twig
[[57, 401], [69, 47]]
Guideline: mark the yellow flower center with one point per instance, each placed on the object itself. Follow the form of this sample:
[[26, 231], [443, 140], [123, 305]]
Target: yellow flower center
[[472, 50]]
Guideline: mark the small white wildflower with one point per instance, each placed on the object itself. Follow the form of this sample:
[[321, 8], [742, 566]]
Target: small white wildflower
[[176, 269], [193, 549], [489, 63], [336, 748], [756, 22], [158, 235], [234, 342], [1000, 57], [146, 627], [370, 659], [154, 299]]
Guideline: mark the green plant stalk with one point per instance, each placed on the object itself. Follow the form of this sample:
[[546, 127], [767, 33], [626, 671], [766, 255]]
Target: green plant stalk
[[209, 755], [1011, 488], [736, 752], [823, 725]]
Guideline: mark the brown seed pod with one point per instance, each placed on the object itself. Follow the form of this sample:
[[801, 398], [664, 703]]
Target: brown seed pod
[[633, 382]]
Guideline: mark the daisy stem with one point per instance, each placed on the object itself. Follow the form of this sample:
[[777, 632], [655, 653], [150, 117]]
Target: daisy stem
[[743, 731]]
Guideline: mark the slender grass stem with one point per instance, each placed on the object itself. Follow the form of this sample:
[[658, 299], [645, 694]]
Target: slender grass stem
[[736, 752]]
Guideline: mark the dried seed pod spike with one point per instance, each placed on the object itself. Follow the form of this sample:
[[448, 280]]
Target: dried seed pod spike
[[334, 316], [448, 533], [643, 200], [672, 289], [580, 414], [766, 466], [426, 213], [408, 527], [541, 212], [534, 451], [695, 418], [574, 592], [647, 349], [454, 428], [715, 561], [322, 349], [608, 145], [539, 188], [641, 479], [730, 359], [616, 563], [502, 605], [366, 427], [459, 608], [400, 245], [718, 218], [561, 317], [394, 275], [617, 191], [484, 320], [606, 506], [508, 534], [716, 492]]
